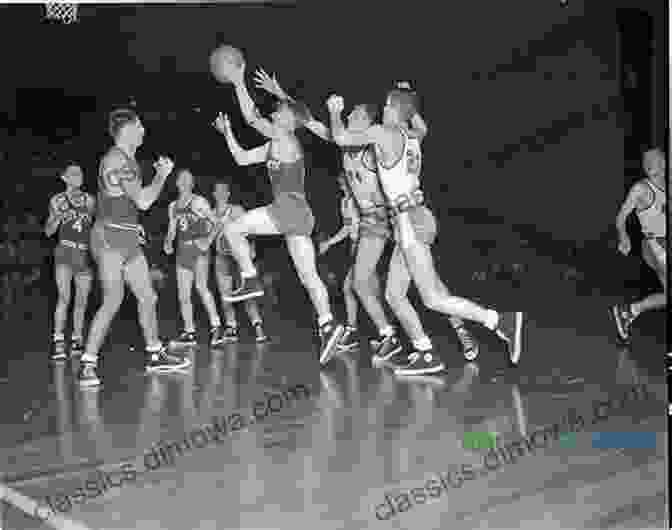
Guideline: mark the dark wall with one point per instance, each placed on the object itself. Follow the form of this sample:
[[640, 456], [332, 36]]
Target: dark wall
[[521, 96]]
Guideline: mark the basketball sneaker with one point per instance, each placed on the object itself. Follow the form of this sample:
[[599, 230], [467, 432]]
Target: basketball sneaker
[[386, 347], [331, 334], [469, 343], [186, 338], [510, 330], [76, 346], [87, 377], [259, 334], [216, 336], [249, 288], [58, 350], [624, 318], [349, 341], [230, 333], [161, 361], [421, 363]]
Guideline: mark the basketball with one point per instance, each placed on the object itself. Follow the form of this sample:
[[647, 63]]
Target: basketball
[[225, 60]]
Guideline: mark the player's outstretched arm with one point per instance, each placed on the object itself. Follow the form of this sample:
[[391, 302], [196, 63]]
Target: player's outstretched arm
[[243, 157], [172, 230], [271, 85], [249, 109]]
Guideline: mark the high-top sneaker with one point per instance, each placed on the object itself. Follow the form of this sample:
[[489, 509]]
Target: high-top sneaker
[[510, 330], [421, 363], [216, 336], [186, 338], [161, 361], [249, 288], [76, 346], [624, 318], [386, 347], [58, 352], [87, 376], [230, 333], [469, 343], [259, 334], [349, 340], [331, 334]]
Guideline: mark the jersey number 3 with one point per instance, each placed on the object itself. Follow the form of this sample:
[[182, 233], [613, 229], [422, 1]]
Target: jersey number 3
[[413, 162]]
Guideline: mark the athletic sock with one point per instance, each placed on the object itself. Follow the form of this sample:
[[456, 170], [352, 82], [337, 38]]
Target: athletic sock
[[491, 319], [58, 336], [156, 347], [249, 274], [423, 344], [88, 358], [387, 331], [325, 319]]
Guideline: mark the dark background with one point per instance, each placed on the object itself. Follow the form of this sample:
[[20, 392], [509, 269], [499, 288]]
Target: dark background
[[538, 112]]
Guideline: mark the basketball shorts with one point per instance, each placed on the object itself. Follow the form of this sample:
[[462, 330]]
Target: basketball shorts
[[375, 224], [110, 239], [292, 215], [188, 254], [654, 251], [77, 259], [422, 222]]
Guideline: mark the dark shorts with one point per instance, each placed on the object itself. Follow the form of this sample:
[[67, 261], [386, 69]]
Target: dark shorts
[[375, 224], [292, 215], [654, 252], [116, 240], [423, 223], [188, 255], [76, 259]]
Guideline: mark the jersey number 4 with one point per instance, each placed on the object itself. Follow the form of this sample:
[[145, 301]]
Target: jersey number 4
[[413, 162]]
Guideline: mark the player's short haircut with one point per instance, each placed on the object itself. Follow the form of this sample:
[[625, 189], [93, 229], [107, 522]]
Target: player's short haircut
[[299, 109], [118, 118], [405, 100]]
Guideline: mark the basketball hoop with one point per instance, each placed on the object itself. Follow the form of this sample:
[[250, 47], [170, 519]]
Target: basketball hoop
[[66, 12]]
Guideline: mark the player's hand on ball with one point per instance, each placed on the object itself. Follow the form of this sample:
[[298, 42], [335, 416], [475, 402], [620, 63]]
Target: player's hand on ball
[[624, 246], [222, 123], [335, 104]]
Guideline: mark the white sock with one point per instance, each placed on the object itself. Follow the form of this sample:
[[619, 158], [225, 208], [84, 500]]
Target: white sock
[[491, 319], [387, 331], [87, 358], [154, 348], [216, 323], [251, 274], [423, 344], [324, 319], [77, 337], [58, 336], [190, 329]]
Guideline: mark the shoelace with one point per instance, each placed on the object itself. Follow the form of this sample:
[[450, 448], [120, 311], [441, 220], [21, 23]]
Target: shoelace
[[466, 338]]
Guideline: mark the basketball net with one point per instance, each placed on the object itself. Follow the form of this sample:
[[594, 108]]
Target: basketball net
[[66, 12]]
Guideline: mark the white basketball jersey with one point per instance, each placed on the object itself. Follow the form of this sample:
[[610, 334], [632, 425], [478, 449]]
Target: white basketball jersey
[[403, 177], [652, 218], [361, 170]]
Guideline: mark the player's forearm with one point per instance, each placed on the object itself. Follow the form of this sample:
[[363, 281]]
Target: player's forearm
[[51, 226], [621, 220], [418, 126], [320, 130], [149, 194], [237, 152], [337, 127], [247, 106]]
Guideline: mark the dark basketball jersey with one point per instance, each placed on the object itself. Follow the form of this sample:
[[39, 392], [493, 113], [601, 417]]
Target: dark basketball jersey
[[191, 219], [77, 216]]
